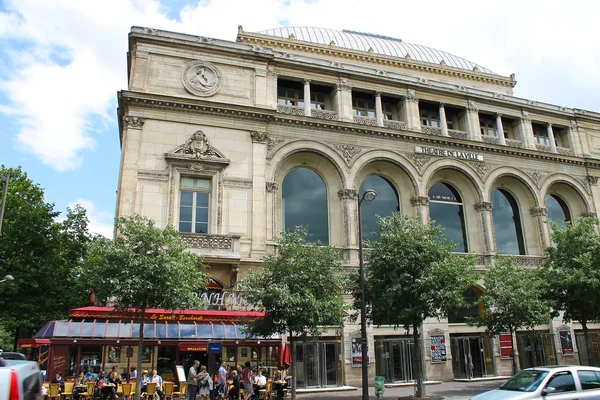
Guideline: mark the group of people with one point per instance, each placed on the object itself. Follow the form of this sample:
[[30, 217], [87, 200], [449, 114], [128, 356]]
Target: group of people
[[229, 382]]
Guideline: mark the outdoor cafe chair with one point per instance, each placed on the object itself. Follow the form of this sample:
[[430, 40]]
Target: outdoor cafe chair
[[89, 393], [182, 392], [265, 394], [126, 390], [68, 393], [168, 389], [150, 391], [53, 391]]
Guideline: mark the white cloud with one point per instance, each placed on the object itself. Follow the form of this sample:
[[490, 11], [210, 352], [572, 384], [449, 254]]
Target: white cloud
[[101, 222], [73, 62]]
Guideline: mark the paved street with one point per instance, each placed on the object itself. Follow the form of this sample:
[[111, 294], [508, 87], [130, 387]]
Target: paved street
[[450, 390]]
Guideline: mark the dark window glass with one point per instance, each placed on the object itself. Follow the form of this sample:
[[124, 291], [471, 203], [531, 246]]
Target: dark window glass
[[430, 117], [590, 380], [385, 204], [558, 211], [488, 126], [507, 223], [471, 309], [562, 382], [193, 205], [363, 106], [446, 209], [304, 203]]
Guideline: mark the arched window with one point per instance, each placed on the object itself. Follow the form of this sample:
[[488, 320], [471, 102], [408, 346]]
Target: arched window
[[304, 203], [507, 223], [558, 211], [384, 205], [446, 209]]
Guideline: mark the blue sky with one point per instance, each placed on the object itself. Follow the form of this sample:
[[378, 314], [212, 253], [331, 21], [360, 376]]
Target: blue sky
[[63, 61]]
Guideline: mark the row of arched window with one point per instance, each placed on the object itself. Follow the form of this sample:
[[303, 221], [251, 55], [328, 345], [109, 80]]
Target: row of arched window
[[304, 202]]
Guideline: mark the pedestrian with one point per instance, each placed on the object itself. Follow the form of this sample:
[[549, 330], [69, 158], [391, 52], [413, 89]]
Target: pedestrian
[[247, 382], [205, 384], [192, 381], [222, 381]]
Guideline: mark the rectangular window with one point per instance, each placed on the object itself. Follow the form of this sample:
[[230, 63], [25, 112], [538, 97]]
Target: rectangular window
[[540, 135], [488, 126], [317, 101], [193, 205], [290, 96], [430, 117], [362, 106], [387, 110]]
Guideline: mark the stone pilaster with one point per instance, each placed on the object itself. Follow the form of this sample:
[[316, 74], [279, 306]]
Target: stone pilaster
[[343, 100], [550, 132], [500, 129], [411, 109], [541, 215], [271, 207], [349, 198], [526, 131], [378, 109], [576, 142], [443, 122], [484, 209], [132, 134], [422, 204], [307, 97], [259, 204], [473, 121]]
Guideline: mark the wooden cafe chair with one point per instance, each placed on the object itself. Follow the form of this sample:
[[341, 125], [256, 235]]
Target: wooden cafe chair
[[182, 392], [168, 389], [150, 391], [68, 393], [89, 393], [265, 394], [126, 390], [53, 391]]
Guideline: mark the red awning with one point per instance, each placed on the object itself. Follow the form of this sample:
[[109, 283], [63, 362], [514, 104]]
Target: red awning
[[193, 346], [157, 314], [31, 343]]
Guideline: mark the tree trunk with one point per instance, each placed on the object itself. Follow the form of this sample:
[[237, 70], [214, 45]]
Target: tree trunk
[[588, 344], [138, 380], [417, 365], [512, 350], [293, 374]]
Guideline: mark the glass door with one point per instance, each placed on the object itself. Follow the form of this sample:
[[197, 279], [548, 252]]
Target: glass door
[[317, 364], [471, 357], [311, 364], [402, 360], [330, 361]]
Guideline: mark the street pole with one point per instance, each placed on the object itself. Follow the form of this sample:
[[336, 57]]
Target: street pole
[[369, 195], [5, 179]]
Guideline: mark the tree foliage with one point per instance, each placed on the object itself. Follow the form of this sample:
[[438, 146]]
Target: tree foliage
[[412, 275], [144, 267], [298, 288], [43, 254], [513, 299], [572, 272]]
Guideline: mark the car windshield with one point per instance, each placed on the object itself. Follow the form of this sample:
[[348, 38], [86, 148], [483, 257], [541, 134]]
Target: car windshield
[[525, 381]]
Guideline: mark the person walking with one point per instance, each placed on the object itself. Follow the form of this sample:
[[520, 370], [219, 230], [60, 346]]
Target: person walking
[[222, 381], [247, 382], [204, 383], [192, 381]]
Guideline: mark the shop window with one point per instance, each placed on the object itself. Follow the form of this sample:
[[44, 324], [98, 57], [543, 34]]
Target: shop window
[[193, 205], [386, 204], [114, 354], [304, 203], [165, 363], [507, 223], [446, 209], [147, 354]]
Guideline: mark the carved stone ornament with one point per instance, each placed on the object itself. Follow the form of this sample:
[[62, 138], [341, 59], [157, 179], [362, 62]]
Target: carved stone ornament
[[411, 96], [538, 211], [201, 78], [525, 115], [272, 186], [419, 201], [273, 144], [197, 167], [130, 121], [348, 152], [483, 206], [472, 106], [589, 214], [419, 161], [259, 137], [584, 182], [593, 180], [199, 148], [347, 194], [481, 168], [537, 177]]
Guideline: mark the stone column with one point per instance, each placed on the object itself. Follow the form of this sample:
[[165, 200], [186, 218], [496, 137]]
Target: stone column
[[275, 94], [422, 204], [473, 119], [131, 142], [443, 122], [500, 129], [343, 99], [259, 211], [378, 109], [527, 131], [541, 214], [576, 142], [411, 107], [484, 209], [271, 206], [307, 112], [349, 198], [550, 132]]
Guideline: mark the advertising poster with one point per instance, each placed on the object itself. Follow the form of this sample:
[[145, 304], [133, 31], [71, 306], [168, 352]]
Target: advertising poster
[[438, 348], [505, 345], [357, 352], [566, 342]]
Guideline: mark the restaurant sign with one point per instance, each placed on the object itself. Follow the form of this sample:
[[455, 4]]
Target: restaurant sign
[[463, 155], [193, 346], [224, 299]]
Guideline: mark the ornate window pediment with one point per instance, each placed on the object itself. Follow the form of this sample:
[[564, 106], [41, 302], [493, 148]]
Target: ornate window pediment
[[197, 154]]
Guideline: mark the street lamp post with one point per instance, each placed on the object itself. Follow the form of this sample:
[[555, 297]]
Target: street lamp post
[[7, 278], [369, 196]]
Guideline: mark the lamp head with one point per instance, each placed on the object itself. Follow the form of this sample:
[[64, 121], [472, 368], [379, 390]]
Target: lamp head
[[8, 278], [369, 195]]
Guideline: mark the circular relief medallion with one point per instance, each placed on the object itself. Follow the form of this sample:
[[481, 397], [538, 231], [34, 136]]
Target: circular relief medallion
[[201, 78]]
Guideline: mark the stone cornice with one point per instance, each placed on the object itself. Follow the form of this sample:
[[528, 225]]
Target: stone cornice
[[197, 106]]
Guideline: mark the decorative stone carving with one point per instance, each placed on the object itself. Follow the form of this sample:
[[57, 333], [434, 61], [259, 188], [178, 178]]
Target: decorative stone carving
[[203, 241], [290, 110], [324, 114], [514, 143], [344, 85], [130, 121], [419, 201], [589, 214], [481, 168], [348, 152], [584, 182], [430, 130], [273, 144], [593, 180], [525, 116], [206, 40], [201, 78], [458, 134], [401, 126], [365, 121], [538, 211], [198, 146], [537, 177], [483, 206], [419, 161], [348, 194], [272, 186], [259, 137], [197, 167], [335, 64], [564, 151], [381, 72], [491, 139], [472, 106], [525, 261], [412, 96], [150, 31], [543, 147]]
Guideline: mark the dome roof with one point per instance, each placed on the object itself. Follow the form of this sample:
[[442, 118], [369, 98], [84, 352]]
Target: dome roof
[[380, 44]]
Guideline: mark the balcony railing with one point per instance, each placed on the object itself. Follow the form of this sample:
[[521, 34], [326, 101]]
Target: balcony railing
[[227, 246], [543, 147], [290, 110], [564, 151], [525, 261], [491, 139], [430, 130], [365, 121], [458, 134], [401, 126], [324, 114], [514, 143]]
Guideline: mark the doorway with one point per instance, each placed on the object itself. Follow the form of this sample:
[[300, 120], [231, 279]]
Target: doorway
[[394, 359], [187, 358], [472, 356], [317, 364], [535, 349]]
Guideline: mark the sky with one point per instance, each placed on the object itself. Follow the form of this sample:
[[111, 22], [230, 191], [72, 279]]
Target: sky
[[63, 61]]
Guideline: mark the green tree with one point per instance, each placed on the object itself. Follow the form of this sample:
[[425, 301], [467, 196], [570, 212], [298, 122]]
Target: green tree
[[513, 299], [298, 289], [572, 272], [42, 254], [144, 267], [413, 275]]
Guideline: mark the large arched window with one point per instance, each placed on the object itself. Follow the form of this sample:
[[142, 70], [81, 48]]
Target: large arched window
[[558, 211], [507, 223], [446, 209], [384, 205], [304, 203]]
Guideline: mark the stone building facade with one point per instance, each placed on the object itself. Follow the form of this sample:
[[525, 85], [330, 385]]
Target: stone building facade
[[233, 142]]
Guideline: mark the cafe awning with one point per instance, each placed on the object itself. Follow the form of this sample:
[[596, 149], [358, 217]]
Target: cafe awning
[[31, 343]]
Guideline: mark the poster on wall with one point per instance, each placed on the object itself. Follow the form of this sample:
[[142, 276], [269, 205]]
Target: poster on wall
[[438, 348], [357, 353], [566, 342], [505, 345]]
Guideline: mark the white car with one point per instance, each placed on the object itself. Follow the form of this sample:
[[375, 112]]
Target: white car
[[19, 379], [551, 382]]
